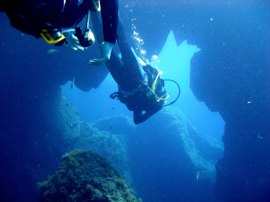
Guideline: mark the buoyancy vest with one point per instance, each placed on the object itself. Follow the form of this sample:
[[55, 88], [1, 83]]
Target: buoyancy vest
[[33, 16]]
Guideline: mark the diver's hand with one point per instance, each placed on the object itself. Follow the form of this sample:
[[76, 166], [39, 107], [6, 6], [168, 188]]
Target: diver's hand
[[72, 41], [106, 50]]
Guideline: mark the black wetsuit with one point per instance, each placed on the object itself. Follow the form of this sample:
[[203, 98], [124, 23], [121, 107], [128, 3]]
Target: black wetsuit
[[125, 70], [31, 16], [130, 78]]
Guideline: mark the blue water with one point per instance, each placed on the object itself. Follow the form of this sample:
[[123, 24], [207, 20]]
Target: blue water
[[174, 62], [211, 145]]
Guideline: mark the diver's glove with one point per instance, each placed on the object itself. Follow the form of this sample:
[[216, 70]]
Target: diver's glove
[[72, 40], [106, 50]]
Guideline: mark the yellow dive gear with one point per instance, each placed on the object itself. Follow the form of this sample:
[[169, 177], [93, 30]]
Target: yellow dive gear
[[152, 89], [52, 38], [154, 84]]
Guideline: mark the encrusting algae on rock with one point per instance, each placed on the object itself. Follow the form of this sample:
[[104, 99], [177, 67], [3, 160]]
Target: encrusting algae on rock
[[84, 176]]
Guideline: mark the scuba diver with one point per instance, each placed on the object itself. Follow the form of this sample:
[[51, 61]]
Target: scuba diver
[[52, 20], [140, 86]]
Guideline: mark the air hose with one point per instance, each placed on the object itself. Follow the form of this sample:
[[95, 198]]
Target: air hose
[[179, 92]]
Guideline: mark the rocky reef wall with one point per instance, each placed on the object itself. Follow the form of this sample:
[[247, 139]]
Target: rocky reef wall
[[230, 75], [31, 133], [168, 160]]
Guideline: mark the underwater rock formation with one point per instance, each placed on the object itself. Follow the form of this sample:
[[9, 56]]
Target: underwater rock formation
[[241, 95], [84, 176], [233, 79], [168, 162], [230, 75], [168, 159], [31, 129], [104, 141], [107, 144]]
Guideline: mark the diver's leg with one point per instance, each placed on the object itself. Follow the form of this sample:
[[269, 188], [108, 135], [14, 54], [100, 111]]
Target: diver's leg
[[128, 56], [125, 70], [116, 68], [131, 71], [115, 64]]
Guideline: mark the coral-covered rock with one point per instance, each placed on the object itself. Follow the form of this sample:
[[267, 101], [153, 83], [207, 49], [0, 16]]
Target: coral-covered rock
[[168, 159], [84, 176], [109, 145], [169, 162]]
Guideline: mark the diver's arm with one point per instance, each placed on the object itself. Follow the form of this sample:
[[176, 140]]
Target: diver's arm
[[109, 14]]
